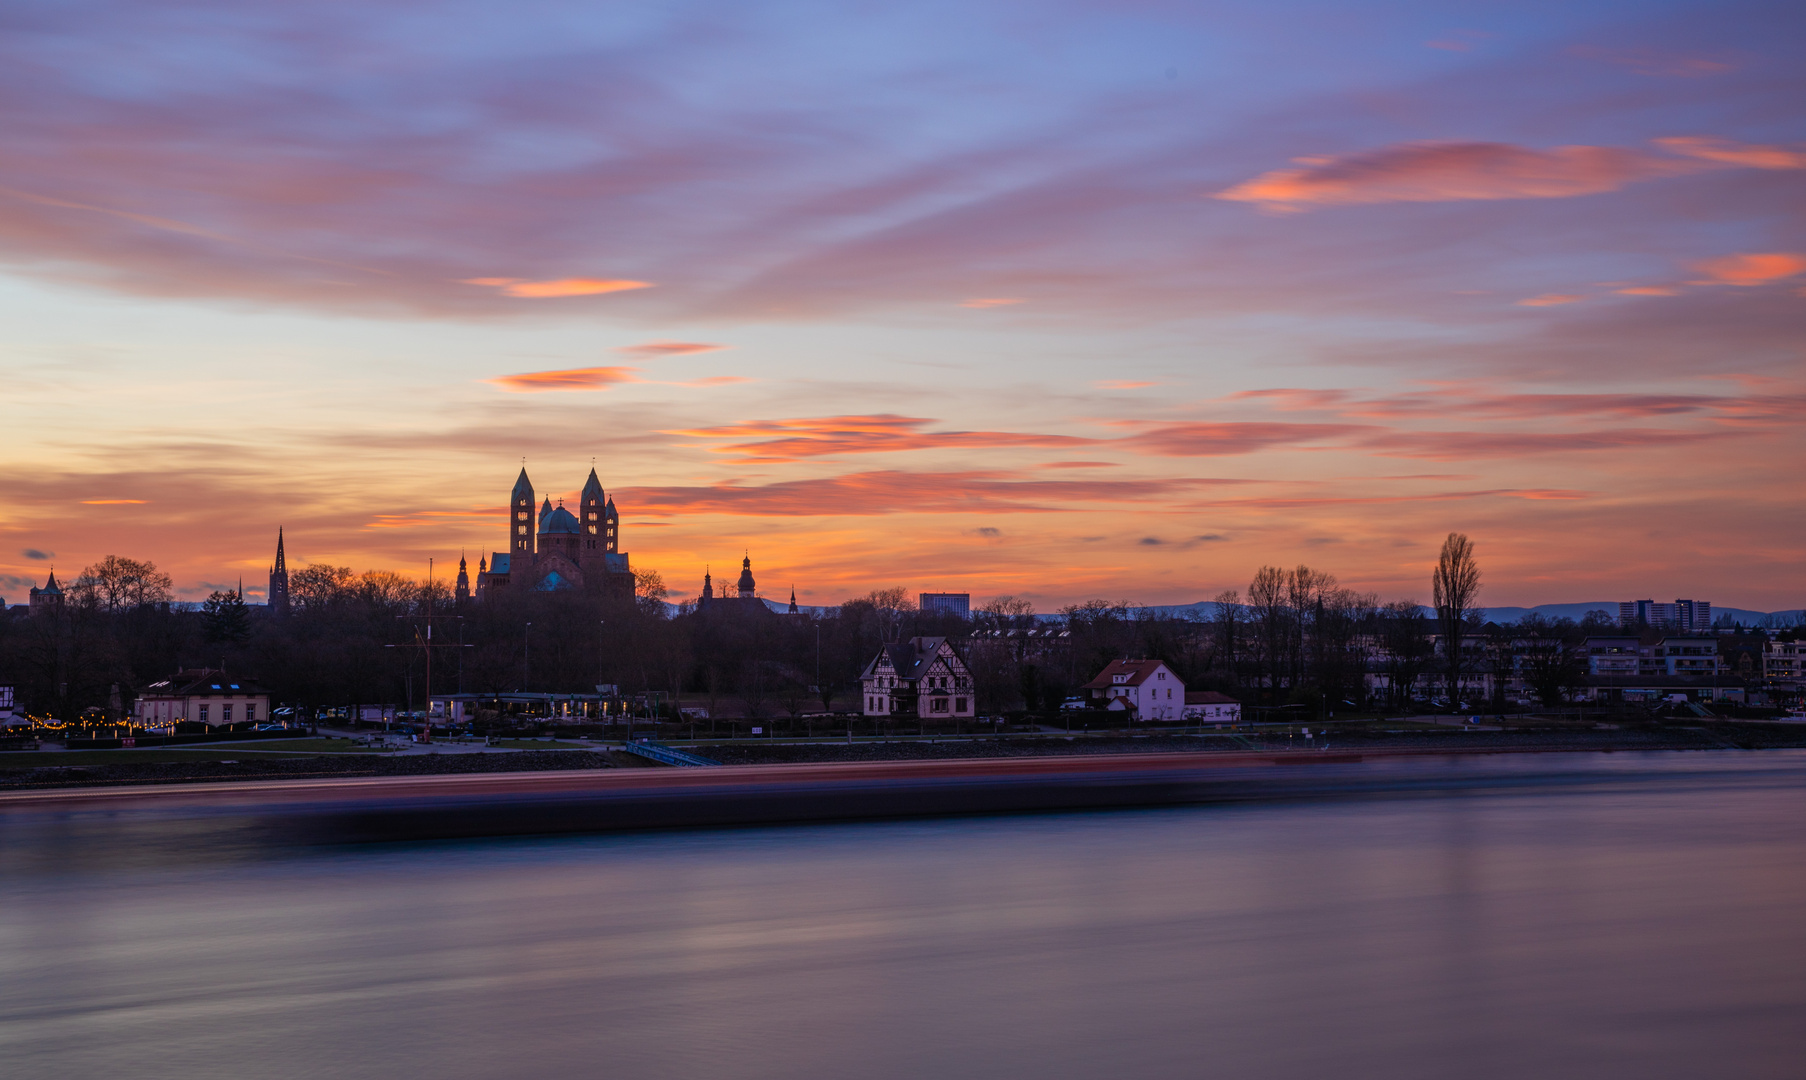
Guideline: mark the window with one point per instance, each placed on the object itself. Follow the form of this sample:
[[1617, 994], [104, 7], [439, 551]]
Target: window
[[1163, 675], [940, 705], [225, 714], [520, 530], [250, 711], [203, 714], [959, 705]]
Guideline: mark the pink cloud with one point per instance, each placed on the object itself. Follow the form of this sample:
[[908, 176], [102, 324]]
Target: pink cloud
[[562, 287], [1549, 300], [990, 302], [1230, 439], [1122, 384], [1466, 445], [1450, 172], [651, 350], [1731, 152], [592, 378]]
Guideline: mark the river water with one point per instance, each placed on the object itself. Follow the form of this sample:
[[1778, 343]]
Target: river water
[[1650, 928]]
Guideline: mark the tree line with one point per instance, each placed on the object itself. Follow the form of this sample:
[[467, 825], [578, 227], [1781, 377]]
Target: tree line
[[1295, 635]]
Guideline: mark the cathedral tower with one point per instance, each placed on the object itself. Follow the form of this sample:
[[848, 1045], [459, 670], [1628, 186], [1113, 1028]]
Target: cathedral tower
[[462, 593], [521, 523], [747, 588], [593, 507]]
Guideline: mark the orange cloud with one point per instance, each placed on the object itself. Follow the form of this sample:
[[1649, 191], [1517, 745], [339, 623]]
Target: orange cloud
[[887, 492], [113, 502], [1122, 384], [1752, 269], [594, 378], [1464, 445], [814, 437], [1648, 290], [1450, 172], [1548, 300], [1731, 152], [542, 290], [1230, 439], [651, 350], [990, 302]]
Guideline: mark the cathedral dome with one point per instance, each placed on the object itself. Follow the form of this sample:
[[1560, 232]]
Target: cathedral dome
[[559, 521]]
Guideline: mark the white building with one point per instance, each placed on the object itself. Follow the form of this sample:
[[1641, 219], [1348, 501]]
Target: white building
[[1210, 707], [1147, 687], [1784, 661], [205, 697]]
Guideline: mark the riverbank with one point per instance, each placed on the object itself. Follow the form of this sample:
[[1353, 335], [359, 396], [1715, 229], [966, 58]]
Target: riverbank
[[114, 768]]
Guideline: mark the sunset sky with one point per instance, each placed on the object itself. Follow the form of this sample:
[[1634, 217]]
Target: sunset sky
[[1062, 300]]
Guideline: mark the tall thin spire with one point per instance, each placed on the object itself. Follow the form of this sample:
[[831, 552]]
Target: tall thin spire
[[276, 599]]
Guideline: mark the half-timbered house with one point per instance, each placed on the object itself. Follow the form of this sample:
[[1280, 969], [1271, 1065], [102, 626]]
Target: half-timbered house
[[921, 677]]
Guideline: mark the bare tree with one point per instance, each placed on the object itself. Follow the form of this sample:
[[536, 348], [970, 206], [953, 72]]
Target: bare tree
[[1454, 587], [1228, 631], [1406, 642], [889, 605], [314, 587], [1267, 607], [116, 583]]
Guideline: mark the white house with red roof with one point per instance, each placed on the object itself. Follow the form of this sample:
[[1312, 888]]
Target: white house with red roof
[[1212, 708], [1148, 688]]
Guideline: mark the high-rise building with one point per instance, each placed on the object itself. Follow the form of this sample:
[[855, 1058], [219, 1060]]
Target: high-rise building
[[1691, 615], [946, 603]]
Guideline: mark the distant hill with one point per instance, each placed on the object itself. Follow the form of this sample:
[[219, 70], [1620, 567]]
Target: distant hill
[[1207, 609]]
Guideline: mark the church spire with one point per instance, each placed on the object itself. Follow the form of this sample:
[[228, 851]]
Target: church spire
[[277, 597]]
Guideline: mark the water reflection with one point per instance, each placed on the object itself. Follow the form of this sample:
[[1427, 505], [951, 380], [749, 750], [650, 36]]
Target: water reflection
[[1651, 931]]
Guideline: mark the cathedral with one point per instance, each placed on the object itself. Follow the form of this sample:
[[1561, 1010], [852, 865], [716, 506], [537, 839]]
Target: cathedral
[[743, 596], [555, 549]]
